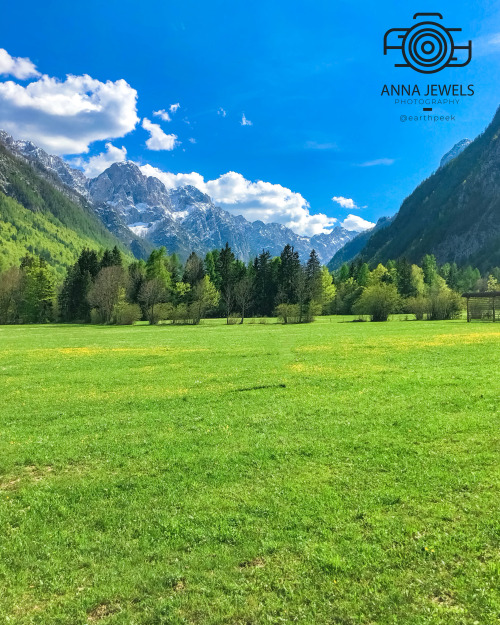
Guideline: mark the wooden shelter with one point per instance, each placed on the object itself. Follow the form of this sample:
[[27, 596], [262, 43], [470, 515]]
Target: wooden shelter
[[484, 305]]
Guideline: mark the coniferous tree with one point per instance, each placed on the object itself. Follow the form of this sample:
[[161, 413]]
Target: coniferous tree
[[73, 302], [211, 261], [136, 280], [194, 270], [88, 261], [313, 277], [265, 283], [344, 274], [404, 284], [288, 275], [107, 259], [116, 257], [363, 275], [174, 267], [226, 268], [453, 277]]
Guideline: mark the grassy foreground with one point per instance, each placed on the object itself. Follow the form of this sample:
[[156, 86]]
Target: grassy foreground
[[334, 473]]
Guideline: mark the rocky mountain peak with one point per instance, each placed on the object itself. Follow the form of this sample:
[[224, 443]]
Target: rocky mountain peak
[[125, 187], [73, 178], [457, 149]]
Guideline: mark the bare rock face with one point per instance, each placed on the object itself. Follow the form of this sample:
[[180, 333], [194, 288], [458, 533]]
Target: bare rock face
[[126, 187]]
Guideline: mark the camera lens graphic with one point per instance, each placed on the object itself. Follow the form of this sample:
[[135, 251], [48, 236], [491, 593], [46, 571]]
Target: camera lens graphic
[[427, 47]]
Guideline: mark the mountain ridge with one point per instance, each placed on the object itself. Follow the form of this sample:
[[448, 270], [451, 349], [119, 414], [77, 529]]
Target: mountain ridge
[[454, 214], [139, 210]]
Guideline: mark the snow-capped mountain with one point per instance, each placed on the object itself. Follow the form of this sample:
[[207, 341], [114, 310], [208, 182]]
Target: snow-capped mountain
[[138, 207], [457, 149], [73, 178], [185, 219]]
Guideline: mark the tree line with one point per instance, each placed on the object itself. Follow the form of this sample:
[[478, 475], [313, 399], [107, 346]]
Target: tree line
[[104, 288]]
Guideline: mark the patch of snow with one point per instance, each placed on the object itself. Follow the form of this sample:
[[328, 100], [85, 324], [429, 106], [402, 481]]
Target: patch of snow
[[139, 228]]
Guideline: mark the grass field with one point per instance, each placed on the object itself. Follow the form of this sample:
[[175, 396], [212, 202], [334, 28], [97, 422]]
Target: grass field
[[332, 473]]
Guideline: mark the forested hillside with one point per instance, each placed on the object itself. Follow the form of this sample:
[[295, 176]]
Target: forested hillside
[[454, 214], [40, 216]]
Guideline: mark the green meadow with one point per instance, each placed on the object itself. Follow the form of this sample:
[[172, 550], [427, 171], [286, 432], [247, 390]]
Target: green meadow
[[330, 473]]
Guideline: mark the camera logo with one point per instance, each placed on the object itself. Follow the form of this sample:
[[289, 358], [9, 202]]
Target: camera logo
[[427, 46]]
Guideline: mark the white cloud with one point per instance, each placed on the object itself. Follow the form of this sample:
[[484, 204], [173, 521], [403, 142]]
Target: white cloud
[[18, 67], [162, 114], [245, 121], [173, 108], [65, 117], [192, 140], [358, 224], [158, 139], [254, 200], [174, 181], [378, 161], [95, 165], [345, 202], [221, 112]]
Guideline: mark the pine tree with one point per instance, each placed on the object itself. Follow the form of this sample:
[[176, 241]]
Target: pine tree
[[193, 270], [343, 274], [107, 259], [211, 260], [288, 275], [313, 277], [116, 257], [265, 283], [226, 270], [453, 277], [405, 287], [363, 275], [88, 261]]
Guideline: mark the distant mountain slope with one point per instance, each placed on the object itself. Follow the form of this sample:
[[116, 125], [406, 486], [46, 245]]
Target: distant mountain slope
[[37, 215], [24, 231], [352, 248], [454, 214], [41, 182]]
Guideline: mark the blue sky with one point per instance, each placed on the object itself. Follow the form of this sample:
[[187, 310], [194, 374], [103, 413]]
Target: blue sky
[[307, 78]]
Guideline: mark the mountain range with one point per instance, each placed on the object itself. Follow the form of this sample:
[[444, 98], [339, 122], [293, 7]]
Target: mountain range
[[52, 209], [142, 213]]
